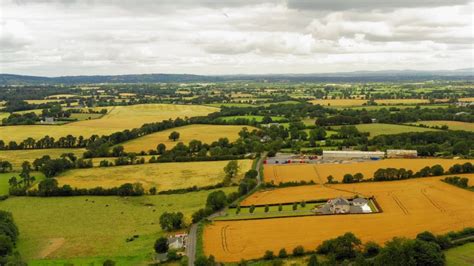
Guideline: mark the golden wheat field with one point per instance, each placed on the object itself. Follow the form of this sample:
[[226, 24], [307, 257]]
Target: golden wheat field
[[409, 207], [204, 133], [360, 102], [319, 172], [163, 176], [119, 118], [453, 125], [17, 157]]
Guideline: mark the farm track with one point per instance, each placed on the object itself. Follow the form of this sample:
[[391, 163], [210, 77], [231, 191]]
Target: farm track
[[399, 203], [434, 203]]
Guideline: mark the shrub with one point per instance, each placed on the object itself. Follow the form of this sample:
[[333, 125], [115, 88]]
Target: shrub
[[282, 254], [161, 245], [267, 208], [298, 251], [268, 255]]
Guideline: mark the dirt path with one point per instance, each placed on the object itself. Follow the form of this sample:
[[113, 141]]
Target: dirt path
[[53, 245]]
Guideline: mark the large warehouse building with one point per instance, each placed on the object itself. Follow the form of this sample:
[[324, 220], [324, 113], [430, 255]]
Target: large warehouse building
[[353, 155], [402, 153]]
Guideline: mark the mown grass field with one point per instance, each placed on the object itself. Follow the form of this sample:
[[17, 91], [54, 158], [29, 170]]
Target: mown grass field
[[90, 229], [452, 125], [204, 133], [376, 129], [257, 118], [409, 207], [4, 177], [460, 256], [17, 157], [360, 102], [319, 172], [163, 176], [3, 115], [119, 118]]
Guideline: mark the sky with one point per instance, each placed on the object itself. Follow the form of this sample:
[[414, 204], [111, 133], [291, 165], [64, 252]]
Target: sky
[[214, 37]]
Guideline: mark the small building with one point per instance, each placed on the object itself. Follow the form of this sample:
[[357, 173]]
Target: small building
[[339, 205], [402, 153], [342, 206], [359, 202], [177, 241], [345, 155], [48, 120]]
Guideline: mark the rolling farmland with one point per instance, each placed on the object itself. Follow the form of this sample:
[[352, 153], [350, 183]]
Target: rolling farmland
[[119, 118], [163, 176], [319, 172], [452, 125], [17, 157], [421, 204], [376, 129]]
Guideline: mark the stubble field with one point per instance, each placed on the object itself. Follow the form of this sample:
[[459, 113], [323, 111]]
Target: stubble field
[[118, 119], [452, 125], [319, 172], [409, 207], [17, 157], [163, 176]]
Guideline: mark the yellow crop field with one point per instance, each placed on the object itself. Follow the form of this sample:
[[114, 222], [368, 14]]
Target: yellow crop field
[[119, 118], [401, 101], [17, 157], [467, 99], [339, 102], [204, 133], [319, 172], [409, 207], [453, 125], [163, 176], [42, 101]]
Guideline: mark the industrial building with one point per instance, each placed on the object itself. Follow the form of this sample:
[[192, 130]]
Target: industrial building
[[402, 153], [345, 155]]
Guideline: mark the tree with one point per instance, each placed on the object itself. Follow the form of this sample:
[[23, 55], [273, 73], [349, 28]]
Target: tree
[[437, 170], [267, 208], [25, 174], [358, 177], [161, 245], [342, 247], [117, 151], [371, 249], [174, 136], [348, 178], [251, 174], [282, 254], [267, 119], [252, 209], [48, 187], [330, 179], [298, 251], [171, 221], [161, 148], [426, 236], [108, 263], [268, 255], [6, 245], [313, 260], [231, 169], [401, 251], [216, 200]]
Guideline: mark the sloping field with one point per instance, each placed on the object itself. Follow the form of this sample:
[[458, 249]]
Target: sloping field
[[359, 102], [319, 172], [401, 101], [453, 125], [204, 133], [119, 118], [460, 256], [409, 207], [163, 176], [376, 129], [17, 157], [95, 228]]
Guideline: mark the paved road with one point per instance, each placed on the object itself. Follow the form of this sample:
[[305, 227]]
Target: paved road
[[192, 235]]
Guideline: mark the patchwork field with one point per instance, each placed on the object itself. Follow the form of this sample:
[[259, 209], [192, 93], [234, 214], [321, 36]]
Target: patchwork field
[[17, 157], [419, 204], [119, 118], [319, 172], [257, 118], [4, 177], [204, 133], [339, 102], [163, 176], [376, 129], [453, 125], [90, 229]]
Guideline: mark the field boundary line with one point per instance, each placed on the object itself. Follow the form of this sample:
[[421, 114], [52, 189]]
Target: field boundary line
[[435, 204], [399, 203]]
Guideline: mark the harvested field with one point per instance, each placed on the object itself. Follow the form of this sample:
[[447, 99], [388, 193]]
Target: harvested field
[[376, 129], [118, 119], [163, 176], [17, 157], [339, 102], [452, 125], [401, 101], [319, 172], [420, 204], [466, 99], [204, 133]]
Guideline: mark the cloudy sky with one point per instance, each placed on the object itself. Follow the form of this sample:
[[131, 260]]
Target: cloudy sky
[[83, 37]]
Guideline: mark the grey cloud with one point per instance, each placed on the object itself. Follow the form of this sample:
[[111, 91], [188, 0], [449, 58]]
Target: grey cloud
[[368, 4]]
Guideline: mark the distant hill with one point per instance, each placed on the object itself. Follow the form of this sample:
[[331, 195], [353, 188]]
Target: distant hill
[[358, 76]]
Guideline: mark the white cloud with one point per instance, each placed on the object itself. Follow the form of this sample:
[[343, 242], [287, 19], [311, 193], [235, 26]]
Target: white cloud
[[53, 37]]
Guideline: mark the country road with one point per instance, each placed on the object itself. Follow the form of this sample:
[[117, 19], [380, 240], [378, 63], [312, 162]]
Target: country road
[[192, 235]]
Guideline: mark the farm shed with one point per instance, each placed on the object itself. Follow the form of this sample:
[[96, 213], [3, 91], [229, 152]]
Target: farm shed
[[353, 154], [402, 153]]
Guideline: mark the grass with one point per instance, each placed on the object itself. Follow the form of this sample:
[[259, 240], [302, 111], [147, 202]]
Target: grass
[[257, 118], [3, 115], [85, 116], [204, 133], [273, 212], [17, 157], [89, 229], [452, 125], [4, 177], [460, 256], [118, 119], [376, 129], [405, 106], [163, 176]]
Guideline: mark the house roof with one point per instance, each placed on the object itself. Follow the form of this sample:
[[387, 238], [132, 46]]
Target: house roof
[[360, 200], [340, 201]]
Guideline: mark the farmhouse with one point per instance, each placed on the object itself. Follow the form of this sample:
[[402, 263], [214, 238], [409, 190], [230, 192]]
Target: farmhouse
[[341, 205], [177, 241], [402, 153], [353, 155]]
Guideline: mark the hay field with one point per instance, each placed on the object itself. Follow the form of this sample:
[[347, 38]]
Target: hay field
[[409, 207], [204, 133], [339, 102], [319, 172], [17, 157], [119, 118], [376, 129], [163, 176], [452, 125], [401, 101], [85, 230], [466, 99]]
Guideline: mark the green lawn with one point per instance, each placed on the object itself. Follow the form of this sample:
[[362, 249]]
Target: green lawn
[[460, 256], [4, 177], [89, 229], [376, 129], [257, 118], [85, 116], [378, 107], [273, 211], [3, 115]]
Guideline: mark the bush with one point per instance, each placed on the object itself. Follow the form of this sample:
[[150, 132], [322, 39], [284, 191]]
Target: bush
[[268, 255], [216, 200], [282, 254], [298, 251], [171, 221], [161, 245], [267, 208], [252, 209], [371, 249], [295, 206]]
